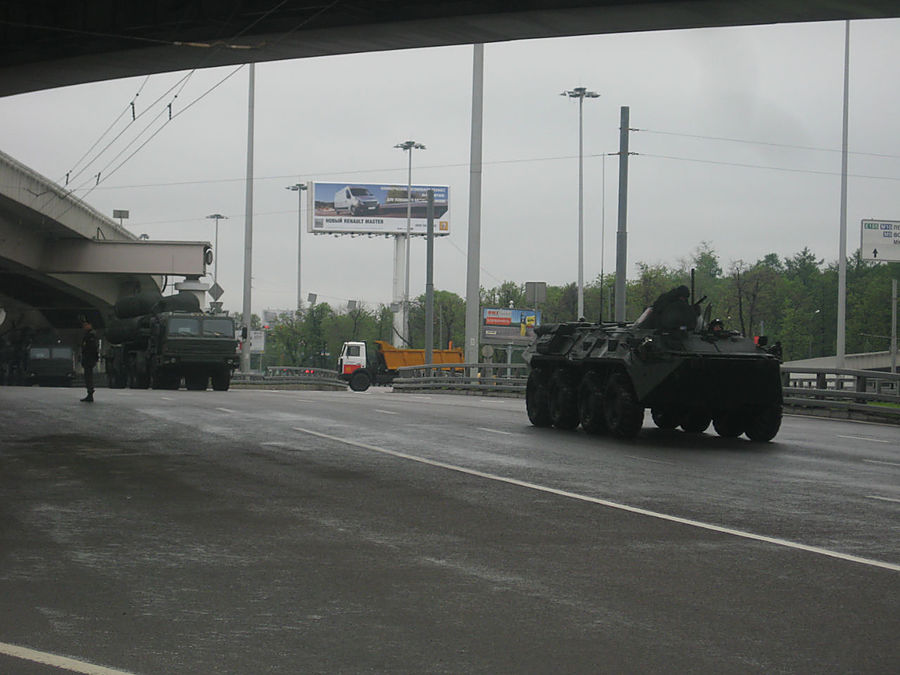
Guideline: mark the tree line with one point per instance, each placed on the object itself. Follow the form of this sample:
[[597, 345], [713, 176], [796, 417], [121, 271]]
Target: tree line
[[792, 300]]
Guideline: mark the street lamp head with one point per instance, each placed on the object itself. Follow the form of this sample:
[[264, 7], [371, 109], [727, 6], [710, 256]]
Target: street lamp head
[[296, 186], [409, 145], [218, 216], [580, 92]]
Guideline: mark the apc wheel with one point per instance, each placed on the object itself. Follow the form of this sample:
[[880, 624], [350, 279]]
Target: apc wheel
[[695, 421], [624, 416], [590, 404], [537, 399], [563, 401], [196, 381], [664, 419], [221, 379], [764, 424], [729, 424], [360, 381]]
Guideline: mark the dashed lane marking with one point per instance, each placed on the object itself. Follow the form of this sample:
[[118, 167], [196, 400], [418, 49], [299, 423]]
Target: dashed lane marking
[[495, 431], [613, 505], [386, 412], [883, 499], [864, 438], [876, 461], [57, 661], [647, 459], [228, 410]]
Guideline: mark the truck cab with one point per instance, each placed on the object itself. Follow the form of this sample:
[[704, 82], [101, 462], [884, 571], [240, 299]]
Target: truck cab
[[351, 360]]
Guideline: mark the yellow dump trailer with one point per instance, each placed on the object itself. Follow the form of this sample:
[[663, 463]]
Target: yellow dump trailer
[[362, 367]]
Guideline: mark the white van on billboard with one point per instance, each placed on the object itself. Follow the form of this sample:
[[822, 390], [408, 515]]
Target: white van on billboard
[[376, 208], [355, 201]]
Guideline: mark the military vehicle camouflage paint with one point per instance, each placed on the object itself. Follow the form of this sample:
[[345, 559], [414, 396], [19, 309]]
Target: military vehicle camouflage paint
[[689, 374]]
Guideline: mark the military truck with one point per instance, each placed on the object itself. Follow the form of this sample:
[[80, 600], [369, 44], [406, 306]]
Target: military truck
[[674, 360], [159, 341], [362, 367], [50, 364]]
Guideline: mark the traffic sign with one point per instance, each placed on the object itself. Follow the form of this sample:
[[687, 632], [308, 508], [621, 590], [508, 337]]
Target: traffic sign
[[880, 240], [216, 291]]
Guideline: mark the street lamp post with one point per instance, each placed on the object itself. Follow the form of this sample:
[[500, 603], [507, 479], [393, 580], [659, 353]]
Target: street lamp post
[[298, 188], [217, 217], [408, 146], [580, 93]]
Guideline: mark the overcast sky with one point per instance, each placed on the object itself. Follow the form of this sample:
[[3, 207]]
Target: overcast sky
[[338, 118]]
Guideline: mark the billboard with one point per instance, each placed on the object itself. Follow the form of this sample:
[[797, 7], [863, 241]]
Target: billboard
[[880, 240], [375, 208], [510, 326]]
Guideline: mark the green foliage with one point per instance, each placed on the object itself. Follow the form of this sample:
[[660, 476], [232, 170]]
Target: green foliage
[[792, 300]]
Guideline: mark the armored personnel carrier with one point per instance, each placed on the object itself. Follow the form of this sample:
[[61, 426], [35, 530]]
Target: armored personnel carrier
[[686, 369]]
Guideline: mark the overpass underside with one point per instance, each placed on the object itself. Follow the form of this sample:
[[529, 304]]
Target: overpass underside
[[56, 43]]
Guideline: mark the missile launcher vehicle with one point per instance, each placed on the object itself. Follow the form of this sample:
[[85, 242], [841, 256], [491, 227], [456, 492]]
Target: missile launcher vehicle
[[689, 371]]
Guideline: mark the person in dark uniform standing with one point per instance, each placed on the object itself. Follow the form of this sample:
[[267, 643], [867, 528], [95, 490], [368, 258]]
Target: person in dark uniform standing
[[90, 354]]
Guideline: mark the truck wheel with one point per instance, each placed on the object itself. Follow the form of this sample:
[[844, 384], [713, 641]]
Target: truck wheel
[[695, 421], [537, 398], [590, 404], [764, 423], [729, 424], [221, 380], [624, 416], [562, 401], [196, 381], [360, 381], [664, 419]]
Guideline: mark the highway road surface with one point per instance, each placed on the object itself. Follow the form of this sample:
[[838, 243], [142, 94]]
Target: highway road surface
[[160, 532]]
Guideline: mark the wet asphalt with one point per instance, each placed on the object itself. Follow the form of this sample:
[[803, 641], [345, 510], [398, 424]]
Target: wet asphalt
[[322, 532]]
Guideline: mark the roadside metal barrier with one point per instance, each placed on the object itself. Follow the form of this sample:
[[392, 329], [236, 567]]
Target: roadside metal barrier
[[843, 392], [832, 392], [852, 394], [482, 378], [280, 376]]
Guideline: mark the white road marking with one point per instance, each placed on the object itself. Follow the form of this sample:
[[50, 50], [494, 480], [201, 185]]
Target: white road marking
[[864, 438], [884, 499], [647, 459], [875, 461], [613, 505], [55, 661], [166, 398], [228, 410], [386, 412], [495, 431]]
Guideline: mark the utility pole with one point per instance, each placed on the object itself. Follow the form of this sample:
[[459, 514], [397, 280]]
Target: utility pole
[[248, 226], [580, 93], [473, 257], [429, 282], [622, 231], [408, 146], [299, 189], [842, 247]]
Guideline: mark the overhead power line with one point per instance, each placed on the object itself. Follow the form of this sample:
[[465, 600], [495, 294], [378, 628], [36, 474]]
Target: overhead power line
[[765, 143]]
